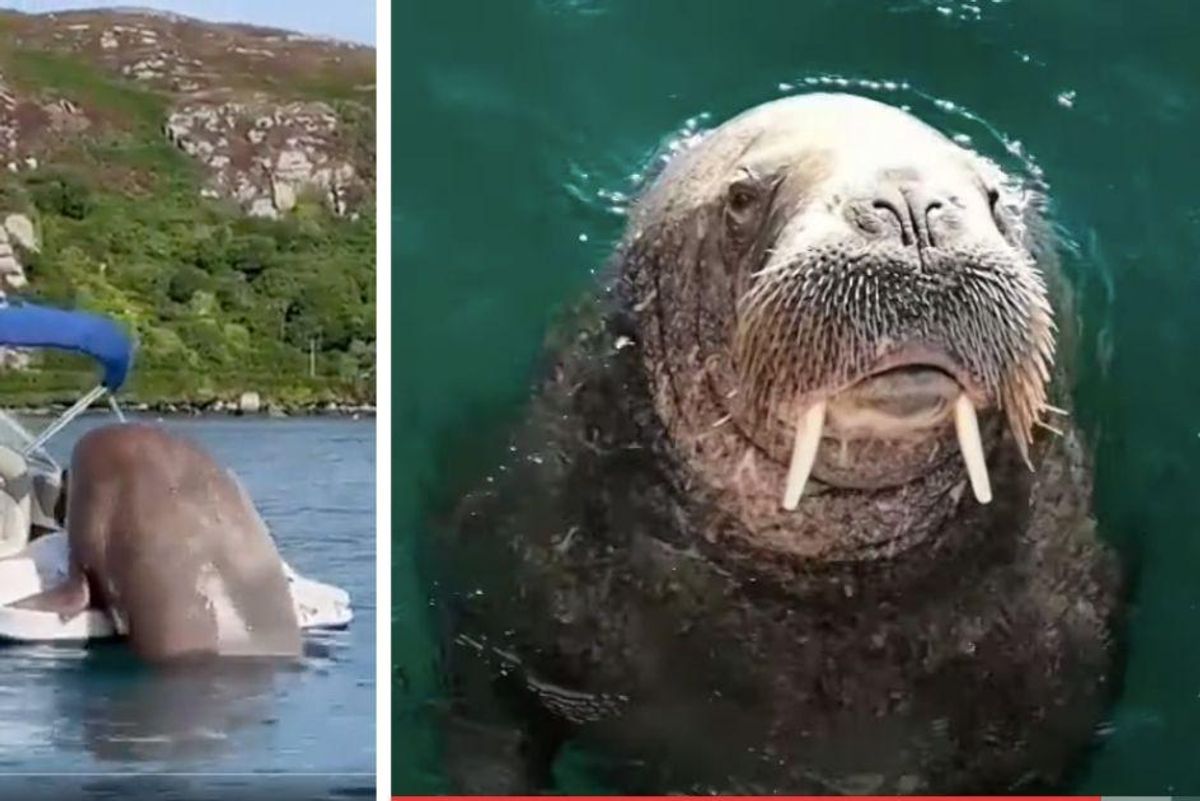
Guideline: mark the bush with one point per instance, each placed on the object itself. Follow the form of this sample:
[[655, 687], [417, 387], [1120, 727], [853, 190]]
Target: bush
[[66, 196], [187, 281]]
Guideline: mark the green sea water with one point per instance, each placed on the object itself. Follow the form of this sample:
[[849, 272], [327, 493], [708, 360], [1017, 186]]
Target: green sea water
[[521, 127]]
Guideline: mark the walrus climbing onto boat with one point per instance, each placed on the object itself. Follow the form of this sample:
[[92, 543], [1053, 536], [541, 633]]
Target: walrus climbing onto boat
[[169, 543], [800, 507]]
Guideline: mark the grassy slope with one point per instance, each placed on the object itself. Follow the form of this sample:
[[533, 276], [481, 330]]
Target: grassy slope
[[219, 302]]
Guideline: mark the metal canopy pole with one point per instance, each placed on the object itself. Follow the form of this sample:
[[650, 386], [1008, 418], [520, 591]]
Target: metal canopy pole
[[65, 418]]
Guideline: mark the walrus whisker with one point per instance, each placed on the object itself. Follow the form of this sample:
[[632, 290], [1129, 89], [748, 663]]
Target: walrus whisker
[[1048, 427], [828, 326]]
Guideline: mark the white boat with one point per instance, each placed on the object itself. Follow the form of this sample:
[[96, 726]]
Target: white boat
[[33, 550], [43, 564]]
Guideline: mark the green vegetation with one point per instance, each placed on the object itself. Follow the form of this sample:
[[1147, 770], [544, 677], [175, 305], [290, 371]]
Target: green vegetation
[[37, 71], [219, 302]]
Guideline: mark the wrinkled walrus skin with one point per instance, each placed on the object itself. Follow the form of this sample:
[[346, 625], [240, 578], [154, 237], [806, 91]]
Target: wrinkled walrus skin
[[593, 591], [168, 542]]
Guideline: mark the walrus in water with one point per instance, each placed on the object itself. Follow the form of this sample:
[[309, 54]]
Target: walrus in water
[[800, 507], [170, 544]]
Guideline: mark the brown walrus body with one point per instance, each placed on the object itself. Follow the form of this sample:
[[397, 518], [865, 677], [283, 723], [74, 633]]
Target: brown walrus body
[[167, 541], [635, 581]]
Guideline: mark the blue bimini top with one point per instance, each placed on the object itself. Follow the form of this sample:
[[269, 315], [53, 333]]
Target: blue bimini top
[[25, 325]]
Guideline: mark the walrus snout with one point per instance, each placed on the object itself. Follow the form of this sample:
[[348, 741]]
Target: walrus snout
[[911, 215]]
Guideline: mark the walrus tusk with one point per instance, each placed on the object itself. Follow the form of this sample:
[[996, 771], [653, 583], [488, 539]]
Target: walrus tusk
[[967, 426], [804, 452]]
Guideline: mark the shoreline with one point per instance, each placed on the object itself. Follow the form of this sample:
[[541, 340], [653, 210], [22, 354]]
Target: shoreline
[[276, 411]]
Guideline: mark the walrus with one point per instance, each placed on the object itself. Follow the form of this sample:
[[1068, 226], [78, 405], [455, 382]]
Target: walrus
[[800, 506], [169, 543]]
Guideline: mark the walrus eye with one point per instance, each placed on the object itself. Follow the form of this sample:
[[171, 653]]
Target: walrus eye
[[741, 198], [744, 201], [993, 196]]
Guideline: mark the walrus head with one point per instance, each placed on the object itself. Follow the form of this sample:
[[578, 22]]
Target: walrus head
[[827, 287]]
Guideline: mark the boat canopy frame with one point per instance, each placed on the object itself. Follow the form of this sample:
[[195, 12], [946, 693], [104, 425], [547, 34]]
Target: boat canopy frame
[[28, 325]]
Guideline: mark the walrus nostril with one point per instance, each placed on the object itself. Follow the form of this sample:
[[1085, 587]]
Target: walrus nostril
[[930, 208], [889, 208], [920, 206]]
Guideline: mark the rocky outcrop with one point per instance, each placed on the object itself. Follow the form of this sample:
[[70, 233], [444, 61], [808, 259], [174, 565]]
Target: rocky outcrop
[[265, 155], [29, 125], [16, 233], [9, 123], [249, 403], [20, 229], [12, 274], [234, 96]]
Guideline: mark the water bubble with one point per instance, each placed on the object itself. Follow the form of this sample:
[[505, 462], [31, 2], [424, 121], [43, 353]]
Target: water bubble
[[613, 195], [583, 237]]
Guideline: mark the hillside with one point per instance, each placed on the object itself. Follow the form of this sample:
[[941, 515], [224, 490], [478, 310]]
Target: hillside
[[212, 186]]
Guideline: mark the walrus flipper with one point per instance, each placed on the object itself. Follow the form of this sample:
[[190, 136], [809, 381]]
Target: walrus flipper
[[497, 738], [493, 759], [575, 707], [70, 598], [511, 714]]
